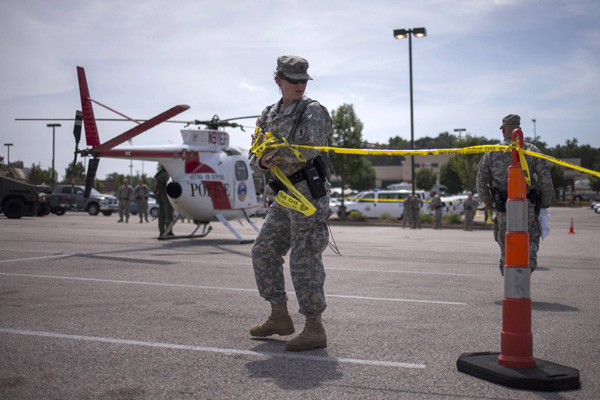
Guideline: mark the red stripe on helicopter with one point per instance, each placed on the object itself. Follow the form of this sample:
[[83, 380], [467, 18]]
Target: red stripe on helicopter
[[215, 189]]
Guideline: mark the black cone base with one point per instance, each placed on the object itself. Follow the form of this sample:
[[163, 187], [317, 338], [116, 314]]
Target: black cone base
[[546, 376]]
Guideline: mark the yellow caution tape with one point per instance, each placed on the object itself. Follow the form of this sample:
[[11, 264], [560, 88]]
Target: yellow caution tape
[[304, 206], [300, 204]]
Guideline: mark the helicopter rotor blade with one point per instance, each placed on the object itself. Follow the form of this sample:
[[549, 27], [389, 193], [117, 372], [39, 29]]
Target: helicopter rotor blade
[[77, 135], [91, 176], [143, 127]]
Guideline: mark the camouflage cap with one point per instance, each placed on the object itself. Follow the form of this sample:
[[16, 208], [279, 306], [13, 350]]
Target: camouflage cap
[[293, 67], [511, 119]]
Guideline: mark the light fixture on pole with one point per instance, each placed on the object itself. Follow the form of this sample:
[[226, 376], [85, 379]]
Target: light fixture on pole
[[403, 34], [534, 132], [53, 126], [8, 156], [459, 130]]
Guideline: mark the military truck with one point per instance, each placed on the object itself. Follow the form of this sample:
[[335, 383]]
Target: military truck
[[19, 198], [70, 197]]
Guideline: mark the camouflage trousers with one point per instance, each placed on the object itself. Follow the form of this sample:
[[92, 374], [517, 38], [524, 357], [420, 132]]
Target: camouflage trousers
[[533, 226], [469, 217], [306, 238]]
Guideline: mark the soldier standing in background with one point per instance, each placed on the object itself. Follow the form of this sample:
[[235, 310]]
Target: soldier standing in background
[[124, 195], [165, 209], [492, 186], [469, 206], [407, 212], [417, 203], [141, 193], [436, 206], [303, 121]]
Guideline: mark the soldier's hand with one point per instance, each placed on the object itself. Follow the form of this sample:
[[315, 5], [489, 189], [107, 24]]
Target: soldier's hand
[[261, 138]]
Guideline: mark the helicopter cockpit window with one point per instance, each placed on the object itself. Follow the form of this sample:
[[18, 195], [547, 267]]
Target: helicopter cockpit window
[[232, 151], [241, 172]]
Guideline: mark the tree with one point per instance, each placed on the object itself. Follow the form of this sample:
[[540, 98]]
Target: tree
[[466, 164], [594, 180], [347, 133], [425, 179], [38, 176], [558, 175], [77, 173], [449, 178]]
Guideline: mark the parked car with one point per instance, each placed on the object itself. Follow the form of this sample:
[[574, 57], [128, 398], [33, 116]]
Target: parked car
[[153, 206], [69, 197]]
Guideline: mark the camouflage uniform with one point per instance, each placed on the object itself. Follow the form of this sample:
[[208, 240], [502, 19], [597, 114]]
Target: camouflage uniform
[[141, 192], [285, 229], [407, 213], [165, 209], [469, 206], [492, 172], [436, 205], [417, 203], [124, 195]]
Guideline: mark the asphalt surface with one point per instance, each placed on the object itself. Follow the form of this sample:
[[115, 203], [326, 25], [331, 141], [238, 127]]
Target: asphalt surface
[[90, 308]]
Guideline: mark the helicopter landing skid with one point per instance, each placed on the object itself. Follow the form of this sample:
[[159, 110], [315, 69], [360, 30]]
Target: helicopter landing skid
[[239, 237], [206, 228]]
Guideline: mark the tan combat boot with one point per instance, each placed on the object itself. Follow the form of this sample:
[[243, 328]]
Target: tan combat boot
[[312, 337], [278, 323]]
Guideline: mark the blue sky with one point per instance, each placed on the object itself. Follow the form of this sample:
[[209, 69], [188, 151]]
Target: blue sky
[[481, 60]]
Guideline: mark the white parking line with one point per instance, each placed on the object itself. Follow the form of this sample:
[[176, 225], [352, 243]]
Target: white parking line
[[294, 356], [177, 285]]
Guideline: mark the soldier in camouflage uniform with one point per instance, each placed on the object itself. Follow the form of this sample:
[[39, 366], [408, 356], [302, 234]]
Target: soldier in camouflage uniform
[[407, 213], [436, 206], [417, 203], [492, 186], [469, 207], [299, 120]]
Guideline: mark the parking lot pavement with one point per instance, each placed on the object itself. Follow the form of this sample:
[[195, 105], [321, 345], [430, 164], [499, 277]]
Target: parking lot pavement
[[94, 309]]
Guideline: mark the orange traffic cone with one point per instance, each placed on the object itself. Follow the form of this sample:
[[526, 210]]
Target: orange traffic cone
[[571, 231]]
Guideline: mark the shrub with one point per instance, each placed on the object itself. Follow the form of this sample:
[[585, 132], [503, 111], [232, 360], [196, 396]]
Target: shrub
[[355, 214], [427, 217], [387, 216], [452, 218]]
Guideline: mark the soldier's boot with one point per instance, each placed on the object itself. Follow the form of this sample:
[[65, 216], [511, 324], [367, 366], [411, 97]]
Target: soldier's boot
[[278, 323], [312, 337]]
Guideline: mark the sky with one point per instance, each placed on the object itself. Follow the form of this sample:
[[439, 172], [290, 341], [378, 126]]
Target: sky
[[480, 60]]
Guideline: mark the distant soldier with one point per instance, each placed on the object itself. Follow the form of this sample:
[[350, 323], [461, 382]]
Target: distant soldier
[[492, 186], [436, 206], [417, 203], [141, 193], [407, 212], [469, 206], [165, 209], [124, 195]]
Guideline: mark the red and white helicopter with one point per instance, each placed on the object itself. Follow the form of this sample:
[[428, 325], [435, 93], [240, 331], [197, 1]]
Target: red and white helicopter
[[210, 180]]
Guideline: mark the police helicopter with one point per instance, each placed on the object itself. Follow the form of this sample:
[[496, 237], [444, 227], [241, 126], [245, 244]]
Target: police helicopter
[[210, 180]]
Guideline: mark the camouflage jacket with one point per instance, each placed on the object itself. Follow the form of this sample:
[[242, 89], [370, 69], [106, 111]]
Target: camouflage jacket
[[492, 172], [312, 130]]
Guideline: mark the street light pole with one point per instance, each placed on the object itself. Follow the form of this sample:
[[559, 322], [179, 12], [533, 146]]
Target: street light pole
[[53, 126], [8, 157], [402, 34], [534, 132]]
